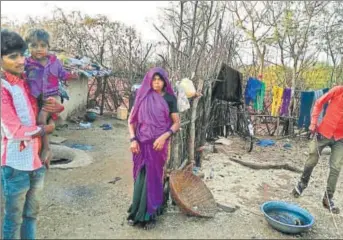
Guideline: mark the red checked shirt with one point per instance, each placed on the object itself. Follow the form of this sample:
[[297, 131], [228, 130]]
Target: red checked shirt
[[19, 109], [332, 124]]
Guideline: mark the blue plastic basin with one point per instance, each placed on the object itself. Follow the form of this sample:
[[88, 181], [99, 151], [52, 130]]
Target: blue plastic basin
[[286, 217]]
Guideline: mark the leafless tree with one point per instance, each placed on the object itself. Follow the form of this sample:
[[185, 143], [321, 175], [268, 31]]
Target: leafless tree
[[249, 18], [332, 36], [198, 40]]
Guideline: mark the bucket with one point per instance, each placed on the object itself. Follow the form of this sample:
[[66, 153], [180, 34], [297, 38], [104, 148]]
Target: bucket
[[122, 113], [90, 116]]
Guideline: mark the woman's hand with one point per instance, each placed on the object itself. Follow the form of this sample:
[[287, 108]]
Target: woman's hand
[[52, 106], [198, 95], [134, 147], [159, 143]]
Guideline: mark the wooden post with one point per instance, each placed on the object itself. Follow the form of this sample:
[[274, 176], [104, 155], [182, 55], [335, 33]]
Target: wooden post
[[103, 95], [191, 143], [174, 150], [277, 126]]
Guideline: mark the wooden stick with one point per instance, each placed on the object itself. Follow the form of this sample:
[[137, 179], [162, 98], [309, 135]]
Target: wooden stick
[[261, 115], [267, 166], [252, 211], [277, 125], [183, 165]]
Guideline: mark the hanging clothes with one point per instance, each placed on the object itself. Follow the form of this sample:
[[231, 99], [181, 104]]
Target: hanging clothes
[[286, 100], [253, 87], [318, 94], [229, 86], [306, 102], [325, 91], [277, 100], [258, 104]]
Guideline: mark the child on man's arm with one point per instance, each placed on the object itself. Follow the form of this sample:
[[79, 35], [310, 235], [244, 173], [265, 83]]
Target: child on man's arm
[[44, 71]]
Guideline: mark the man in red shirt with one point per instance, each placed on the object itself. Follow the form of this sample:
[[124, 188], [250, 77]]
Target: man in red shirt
[[22, 169], [328, 133]]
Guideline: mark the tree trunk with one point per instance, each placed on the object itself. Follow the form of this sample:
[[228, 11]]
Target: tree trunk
[[261, 56]]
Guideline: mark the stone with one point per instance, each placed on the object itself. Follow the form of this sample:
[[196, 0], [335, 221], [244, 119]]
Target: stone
[[326, 151], [57, 140], [201, 175], [227, 208], [224, 141]]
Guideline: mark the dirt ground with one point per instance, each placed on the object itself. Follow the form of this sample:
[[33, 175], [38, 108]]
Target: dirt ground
[[80, 203]]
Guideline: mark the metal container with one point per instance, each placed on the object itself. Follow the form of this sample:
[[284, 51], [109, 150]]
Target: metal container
[[286, 217]]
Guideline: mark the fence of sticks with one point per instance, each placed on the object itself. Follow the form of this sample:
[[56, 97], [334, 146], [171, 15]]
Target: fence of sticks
[[213, 116]]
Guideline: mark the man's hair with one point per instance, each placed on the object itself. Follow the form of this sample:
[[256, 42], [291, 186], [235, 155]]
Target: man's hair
[[11, 42], [34, 35]]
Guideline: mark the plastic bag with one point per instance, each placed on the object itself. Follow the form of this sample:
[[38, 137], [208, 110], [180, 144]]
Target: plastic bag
[[188, 87], [182, 100]]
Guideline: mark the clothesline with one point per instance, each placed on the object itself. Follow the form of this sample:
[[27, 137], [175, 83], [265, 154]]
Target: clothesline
[[259, 115], [281, 100]]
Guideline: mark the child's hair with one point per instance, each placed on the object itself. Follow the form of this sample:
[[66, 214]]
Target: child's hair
[[11, 42], [34, 35]]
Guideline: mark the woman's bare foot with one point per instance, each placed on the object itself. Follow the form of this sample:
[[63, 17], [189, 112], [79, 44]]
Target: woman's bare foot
[[149, 225]]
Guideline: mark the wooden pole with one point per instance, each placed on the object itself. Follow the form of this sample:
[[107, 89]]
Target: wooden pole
[[191, 150], [103, 95]]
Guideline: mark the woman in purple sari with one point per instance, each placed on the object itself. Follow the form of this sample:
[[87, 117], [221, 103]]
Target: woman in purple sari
[[153, 120]]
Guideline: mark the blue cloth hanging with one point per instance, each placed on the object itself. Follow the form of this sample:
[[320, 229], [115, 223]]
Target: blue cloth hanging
[[318, 94], [306, 102], [252, 89], [325, 91]]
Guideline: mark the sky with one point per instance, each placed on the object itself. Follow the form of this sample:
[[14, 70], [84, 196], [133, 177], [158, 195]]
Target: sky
[[139, 14]]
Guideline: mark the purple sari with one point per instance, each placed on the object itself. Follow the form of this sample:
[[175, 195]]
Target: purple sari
[[152, 119]]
